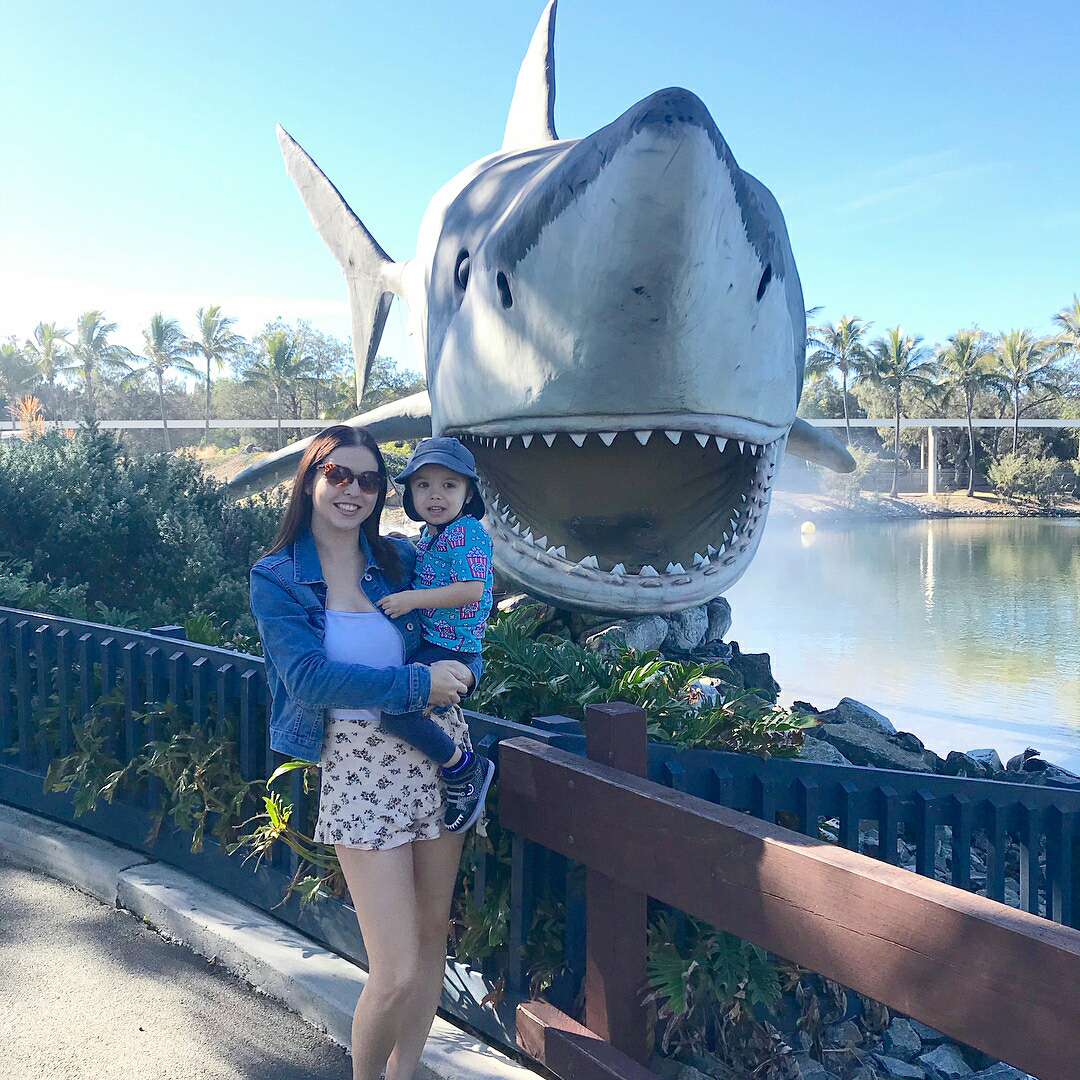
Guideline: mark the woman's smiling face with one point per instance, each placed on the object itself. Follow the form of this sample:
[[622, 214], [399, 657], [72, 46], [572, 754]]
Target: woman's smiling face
[[342, 508]]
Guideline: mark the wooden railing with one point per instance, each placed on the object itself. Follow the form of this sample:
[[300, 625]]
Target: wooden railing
[[1023, 838], [997, 979]]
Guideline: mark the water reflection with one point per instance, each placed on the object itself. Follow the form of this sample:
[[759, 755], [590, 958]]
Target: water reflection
[[963, 631]]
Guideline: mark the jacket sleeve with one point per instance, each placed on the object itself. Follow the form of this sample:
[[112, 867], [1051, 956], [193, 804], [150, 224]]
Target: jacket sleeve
[[315, 682]]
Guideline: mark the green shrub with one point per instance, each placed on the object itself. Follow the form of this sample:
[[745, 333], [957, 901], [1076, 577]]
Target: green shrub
[[847, 488], [1016, 475], [147, 536]]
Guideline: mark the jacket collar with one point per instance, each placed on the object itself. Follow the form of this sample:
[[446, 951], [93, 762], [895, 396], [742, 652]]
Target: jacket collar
[[307, 570]]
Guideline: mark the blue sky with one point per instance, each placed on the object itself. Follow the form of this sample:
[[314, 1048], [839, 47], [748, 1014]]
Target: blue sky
[[924, 154]]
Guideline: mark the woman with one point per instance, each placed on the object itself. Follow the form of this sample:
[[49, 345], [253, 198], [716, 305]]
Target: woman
[[329, 650]]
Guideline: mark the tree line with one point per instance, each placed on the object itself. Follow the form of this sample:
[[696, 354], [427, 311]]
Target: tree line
[[285, 371], [975, 374]]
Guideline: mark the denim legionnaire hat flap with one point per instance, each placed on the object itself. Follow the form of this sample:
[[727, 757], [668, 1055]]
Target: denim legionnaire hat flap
[[451, 454]]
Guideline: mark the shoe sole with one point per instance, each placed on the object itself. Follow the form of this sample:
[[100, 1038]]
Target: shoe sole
[[484, 785]]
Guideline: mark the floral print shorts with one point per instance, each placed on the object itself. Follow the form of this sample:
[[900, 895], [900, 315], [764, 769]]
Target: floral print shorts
[[378, 792]]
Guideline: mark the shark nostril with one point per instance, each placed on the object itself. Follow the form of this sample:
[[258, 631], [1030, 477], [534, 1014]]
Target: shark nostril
[[503, 286], [763, 284], [461, 269]]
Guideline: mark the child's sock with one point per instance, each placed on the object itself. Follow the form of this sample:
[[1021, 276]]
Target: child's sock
[[466, 759]]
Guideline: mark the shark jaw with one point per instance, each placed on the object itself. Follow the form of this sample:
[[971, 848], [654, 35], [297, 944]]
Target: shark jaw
[[625, 521]]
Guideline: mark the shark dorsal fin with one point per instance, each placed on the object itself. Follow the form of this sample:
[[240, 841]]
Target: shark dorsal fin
[[373, 277], [531, 121]]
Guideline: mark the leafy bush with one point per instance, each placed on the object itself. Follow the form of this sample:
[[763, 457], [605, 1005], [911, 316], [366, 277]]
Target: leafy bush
[[88, 523], [529, 674], [847, 488], [1015, 475]]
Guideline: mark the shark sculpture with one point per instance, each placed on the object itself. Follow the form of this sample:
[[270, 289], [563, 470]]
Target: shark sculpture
[[614, 325]]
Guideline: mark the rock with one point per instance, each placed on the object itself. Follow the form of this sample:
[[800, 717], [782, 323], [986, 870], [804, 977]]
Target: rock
[[1059, 777], [820, 750], [671, 1069], [894, 1067], [642, 635], [987, 758], [844, 1035], [717, 652], [755, 671], [804, 708], [901, 1040], [1000, 1071], [927, 1034], [945, 1063], [708, 690], [959, 764], [719, 613], [811, 1069], [864, 746], [712, 1066], [850, 711], [906, 741], [646, 634], [1029, 761], [686, 629]]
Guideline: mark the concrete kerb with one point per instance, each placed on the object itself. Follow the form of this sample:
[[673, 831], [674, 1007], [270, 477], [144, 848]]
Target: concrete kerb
[[317, 984]]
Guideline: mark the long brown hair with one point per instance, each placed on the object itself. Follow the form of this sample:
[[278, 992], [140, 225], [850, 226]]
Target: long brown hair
[[298, 512]]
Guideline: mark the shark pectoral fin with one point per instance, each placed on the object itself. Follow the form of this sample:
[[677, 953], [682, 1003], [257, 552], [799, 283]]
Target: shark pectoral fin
[[373, 277], [531, 120], [817, 445], [406, 418]]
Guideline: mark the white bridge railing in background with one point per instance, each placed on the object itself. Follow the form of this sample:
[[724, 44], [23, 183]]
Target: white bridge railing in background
[[928, 422]]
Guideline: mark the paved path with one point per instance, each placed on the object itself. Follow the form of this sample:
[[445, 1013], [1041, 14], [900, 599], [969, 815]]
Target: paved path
[[88, 991]]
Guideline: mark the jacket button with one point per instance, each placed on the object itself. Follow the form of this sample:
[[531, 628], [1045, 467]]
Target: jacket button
[[367, 577], [408, 626]]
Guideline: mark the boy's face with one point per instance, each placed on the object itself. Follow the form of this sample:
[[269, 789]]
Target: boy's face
[[438, 493]]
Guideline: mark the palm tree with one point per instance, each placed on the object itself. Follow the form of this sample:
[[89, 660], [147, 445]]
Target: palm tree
[[48, 350], [897, 363], [18, 373], [165, 348], [92, 353], [1025, 362], [282, 361], [1068, 341], [838, 346], [216, 343], [966, 367]]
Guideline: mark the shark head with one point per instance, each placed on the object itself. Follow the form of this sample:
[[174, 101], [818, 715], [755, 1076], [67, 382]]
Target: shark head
[[615, 326]]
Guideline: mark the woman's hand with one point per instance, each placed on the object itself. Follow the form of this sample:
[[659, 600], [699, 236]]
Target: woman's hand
[[446, 687], [460, 670], [400, 603]]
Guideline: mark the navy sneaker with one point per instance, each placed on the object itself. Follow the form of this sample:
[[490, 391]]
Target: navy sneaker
[[466, 789]]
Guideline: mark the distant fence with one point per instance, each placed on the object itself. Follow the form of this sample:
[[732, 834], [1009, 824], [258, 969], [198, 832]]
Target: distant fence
[[1013, 842]]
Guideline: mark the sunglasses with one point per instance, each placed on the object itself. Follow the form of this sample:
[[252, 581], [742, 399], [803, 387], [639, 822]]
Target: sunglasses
[[371, 483]]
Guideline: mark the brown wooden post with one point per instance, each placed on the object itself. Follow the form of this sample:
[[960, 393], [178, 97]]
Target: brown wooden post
[[615, 916]]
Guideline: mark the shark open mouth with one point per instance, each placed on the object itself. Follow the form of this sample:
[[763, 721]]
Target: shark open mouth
[[609, 519]]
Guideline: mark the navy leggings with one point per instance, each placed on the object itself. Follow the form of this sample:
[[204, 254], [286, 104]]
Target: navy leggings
[[415, 728]]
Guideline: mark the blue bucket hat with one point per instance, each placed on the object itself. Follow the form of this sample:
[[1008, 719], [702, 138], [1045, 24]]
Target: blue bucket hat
[[451, 454]]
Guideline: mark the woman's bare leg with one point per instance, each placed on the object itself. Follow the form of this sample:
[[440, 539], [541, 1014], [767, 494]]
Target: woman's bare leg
[[435, 870], [382, 885]]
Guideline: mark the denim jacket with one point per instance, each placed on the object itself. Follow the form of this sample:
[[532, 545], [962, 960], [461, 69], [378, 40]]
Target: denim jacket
[[288, 600]]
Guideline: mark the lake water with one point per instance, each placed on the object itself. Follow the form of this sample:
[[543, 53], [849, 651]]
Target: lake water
[[963, 631]]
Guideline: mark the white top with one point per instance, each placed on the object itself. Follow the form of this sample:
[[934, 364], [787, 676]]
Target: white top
[[362, 637]]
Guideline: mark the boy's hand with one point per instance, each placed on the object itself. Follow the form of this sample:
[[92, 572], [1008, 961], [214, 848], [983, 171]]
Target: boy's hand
[[400, 603]]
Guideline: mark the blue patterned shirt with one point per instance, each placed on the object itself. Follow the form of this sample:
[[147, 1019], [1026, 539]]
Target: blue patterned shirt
[[461, 552]]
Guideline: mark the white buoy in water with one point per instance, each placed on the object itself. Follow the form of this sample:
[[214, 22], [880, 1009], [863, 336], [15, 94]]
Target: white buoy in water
[[808, 527]]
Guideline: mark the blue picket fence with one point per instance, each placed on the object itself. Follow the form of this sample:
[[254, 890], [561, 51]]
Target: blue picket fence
[[1015, 843]]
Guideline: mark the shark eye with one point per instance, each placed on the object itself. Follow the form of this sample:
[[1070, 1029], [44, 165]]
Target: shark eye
[[461, 269], [763, 284], [504, 290]]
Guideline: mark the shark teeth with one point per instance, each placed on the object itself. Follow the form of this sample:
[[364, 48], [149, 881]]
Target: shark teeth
[[745, 515]]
